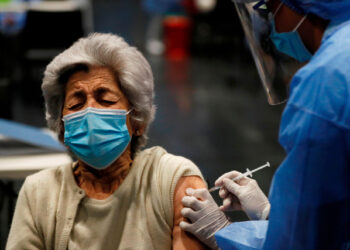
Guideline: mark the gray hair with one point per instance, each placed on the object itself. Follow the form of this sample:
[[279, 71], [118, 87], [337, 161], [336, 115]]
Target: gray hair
[[133, 73]]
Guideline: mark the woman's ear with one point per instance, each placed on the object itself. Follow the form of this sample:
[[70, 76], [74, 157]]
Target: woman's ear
[[140, 129]]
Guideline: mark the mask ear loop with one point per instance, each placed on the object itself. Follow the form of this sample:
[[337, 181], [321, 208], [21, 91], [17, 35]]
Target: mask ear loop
[[137, 132], [278, 8], [300, 22]]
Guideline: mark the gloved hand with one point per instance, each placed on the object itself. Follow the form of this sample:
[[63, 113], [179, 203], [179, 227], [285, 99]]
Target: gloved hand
[[205, 215], [243, 194]]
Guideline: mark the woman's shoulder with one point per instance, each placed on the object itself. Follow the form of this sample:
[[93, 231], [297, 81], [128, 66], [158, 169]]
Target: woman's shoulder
[[166, 169], [151, 152], [166, 162], [163, 171]]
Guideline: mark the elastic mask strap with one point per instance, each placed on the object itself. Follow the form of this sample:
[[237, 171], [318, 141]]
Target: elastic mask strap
[[278, 8], [300, 22], [96, 111]]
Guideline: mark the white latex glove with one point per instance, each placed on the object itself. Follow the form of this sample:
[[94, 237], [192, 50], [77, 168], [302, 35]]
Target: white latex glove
[[205, 215], [243, 194]]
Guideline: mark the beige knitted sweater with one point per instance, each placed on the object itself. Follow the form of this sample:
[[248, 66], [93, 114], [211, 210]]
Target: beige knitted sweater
[[49, 202]]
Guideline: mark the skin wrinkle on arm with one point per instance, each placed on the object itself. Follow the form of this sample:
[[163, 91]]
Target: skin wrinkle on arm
[[181, 239]]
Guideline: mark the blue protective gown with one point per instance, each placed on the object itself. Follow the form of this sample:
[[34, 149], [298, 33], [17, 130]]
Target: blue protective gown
[[310, 192]]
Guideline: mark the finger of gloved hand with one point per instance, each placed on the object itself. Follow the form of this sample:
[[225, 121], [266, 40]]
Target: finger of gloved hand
[[229, 175], [226, 204], [198, 193], [230, 203], [254, 184], [202, 194], [192, 202], [235, 203], [223, 193], [243, 181], [190, 191], [188, 227], [189, 214], [232, 187]]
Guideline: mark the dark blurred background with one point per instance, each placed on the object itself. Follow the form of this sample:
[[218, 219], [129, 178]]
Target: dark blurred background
[[211, 107]]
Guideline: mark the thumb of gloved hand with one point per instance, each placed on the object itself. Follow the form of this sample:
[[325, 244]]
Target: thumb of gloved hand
[[252, 199], [204, 214]]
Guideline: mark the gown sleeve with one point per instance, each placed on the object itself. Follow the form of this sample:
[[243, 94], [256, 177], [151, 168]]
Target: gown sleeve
[[310, 194]]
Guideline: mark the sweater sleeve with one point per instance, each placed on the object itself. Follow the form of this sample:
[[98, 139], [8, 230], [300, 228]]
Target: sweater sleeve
[[24, 233], [171, 169]]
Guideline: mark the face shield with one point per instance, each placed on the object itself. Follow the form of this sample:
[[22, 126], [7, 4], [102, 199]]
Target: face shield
[[275, 69]]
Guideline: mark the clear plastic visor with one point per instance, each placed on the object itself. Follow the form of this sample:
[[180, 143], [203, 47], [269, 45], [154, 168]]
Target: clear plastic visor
[[275, 69]]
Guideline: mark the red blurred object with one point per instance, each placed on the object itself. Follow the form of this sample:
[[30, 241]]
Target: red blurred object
[[190, 7], [177, 37]]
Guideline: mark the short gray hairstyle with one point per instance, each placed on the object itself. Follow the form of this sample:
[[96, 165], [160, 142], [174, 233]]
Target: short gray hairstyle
[[132, 71]]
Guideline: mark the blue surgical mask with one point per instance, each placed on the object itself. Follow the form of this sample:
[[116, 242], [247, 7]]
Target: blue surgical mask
[[290, 43], [97, 136]]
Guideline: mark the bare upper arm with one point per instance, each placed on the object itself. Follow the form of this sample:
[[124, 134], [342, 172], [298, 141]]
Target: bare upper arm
[[181, 239]]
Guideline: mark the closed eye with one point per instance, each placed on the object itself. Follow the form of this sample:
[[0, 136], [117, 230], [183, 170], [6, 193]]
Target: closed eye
[[106, 96], [109, 102], [76, 100], [75, 106]]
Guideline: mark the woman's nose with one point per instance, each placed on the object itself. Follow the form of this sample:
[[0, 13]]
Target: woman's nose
[[91, 102]]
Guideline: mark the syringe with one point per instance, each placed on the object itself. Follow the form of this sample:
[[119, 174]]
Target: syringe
[[249, 172]]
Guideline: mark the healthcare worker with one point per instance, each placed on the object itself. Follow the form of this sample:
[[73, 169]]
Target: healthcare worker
[[309, 200]]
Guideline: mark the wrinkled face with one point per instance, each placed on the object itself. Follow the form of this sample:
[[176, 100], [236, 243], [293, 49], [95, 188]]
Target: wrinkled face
[[96, 88]]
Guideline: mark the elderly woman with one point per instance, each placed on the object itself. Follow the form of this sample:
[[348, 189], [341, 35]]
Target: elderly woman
[[99, 99]]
